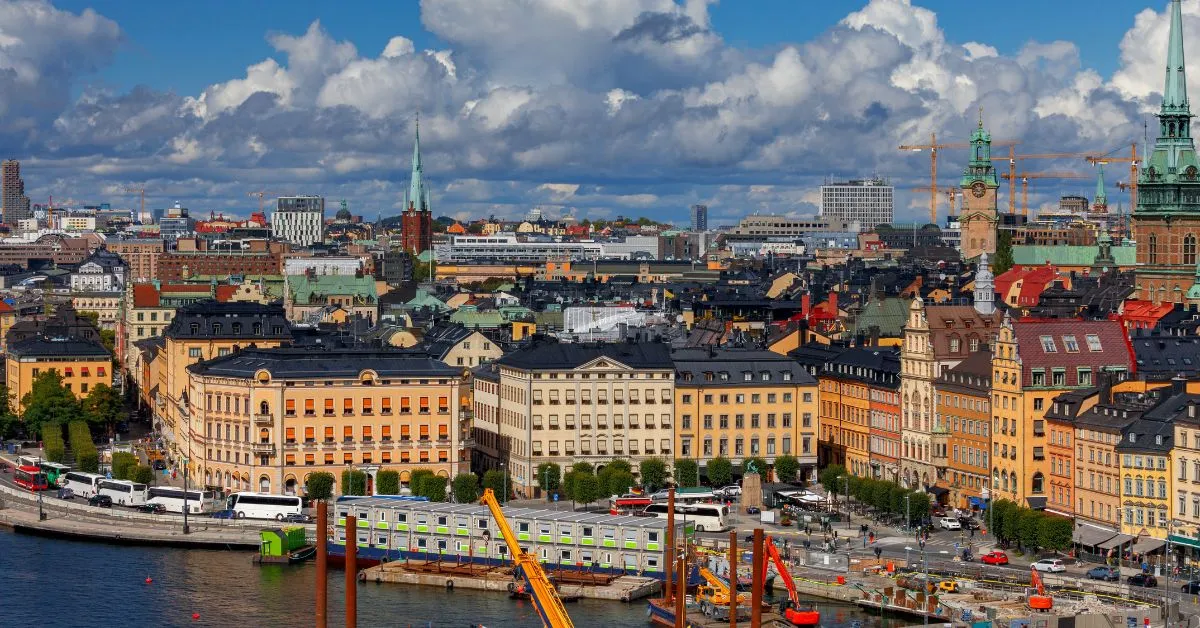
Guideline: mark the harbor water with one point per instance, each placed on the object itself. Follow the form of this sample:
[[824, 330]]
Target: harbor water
[[52, 583]]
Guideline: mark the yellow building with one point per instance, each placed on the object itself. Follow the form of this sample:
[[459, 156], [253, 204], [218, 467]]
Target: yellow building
[[847, 383], [1145, 450], [8, 317], [204, 331], [82, 364], [106, 305], [741, 404], [265, 419]]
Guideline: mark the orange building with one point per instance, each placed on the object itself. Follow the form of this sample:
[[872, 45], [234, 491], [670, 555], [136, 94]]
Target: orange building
[[964, 407]]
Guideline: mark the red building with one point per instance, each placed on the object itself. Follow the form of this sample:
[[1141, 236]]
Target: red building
[[416, 222]]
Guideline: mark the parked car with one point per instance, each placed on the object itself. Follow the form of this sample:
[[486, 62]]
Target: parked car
[[152, 509], [969, 523], [950, 523], [753, 510], [1143, 580], [100, 501], [1192, 587], [1104, 573], [733, 490], [938, 511], [158, 465], [297, 517], [994, 558], [66, 493], [1051, 565]]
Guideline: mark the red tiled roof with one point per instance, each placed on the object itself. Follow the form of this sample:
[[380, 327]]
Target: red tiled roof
[[144, 295], [1114, 348], [1146, 310], [225, 293]]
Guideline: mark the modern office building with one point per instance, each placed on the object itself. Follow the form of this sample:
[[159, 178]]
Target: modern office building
[[175, 223], [12, 189], [299, 220], [699, 218], [868, 202]]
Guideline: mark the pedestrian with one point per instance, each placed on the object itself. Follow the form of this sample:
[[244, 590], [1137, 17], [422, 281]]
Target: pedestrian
[[835, 534], [972, 532], [864, 542]]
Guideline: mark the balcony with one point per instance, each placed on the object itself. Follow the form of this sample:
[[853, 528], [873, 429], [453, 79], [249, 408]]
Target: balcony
[[262, 448], [263, 419]]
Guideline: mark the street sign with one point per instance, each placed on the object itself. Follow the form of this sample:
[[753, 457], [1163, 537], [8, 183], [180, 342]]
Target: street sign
[[556, 497]]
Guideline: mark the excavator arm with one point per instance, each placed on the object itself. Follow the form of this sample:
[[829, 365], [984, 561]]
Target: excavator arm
[[773, 554], [1037, 582], [545, 598]]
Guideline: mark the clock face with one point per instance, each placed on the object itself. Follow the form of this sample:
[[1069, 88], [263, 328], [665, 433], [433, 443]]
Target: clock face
[[978, 189]]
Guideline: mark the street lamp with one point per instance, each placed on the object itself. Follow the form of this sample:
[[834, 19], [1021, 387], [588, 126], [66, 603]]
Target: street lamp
[[846, 481], [907, 516], [186, 529]]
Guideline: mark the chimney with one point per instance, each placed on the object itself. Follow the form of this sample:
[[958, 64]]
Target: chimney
[[873, 330], [1178, 385], [805, 305], [1105, 381]]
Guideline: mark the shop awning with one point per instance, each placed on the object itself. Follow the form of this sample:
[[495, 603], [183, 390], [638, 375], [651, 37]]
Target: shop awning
[[1185, 540], [1147, 544], [1036, 503], [937, 490], [978, 502], [1119, 539], [1091, 537]]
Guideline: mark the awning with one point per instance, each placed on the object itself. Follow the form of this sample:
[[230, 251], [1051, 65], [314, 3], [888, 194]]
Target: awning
[[1091, 537], [1036, 503], [978, 502], [937, 490], [1147, 544], [1185, 540], [1119, 539]]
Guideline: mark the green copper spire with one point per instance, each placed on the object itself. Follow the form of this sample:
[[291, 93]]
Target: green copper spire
[[1101, 195], [418, 196], [1175, 96], [979, 167]]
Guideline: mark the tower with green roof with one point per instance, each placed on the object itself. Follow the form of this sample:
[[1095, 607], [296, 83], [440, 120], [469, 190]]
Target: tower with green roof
[[980, 215]]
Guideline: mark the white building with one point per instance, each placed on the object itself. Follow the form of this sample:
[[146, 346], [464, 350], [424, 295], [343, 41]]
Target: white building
[[299, 220], [868, 202], [341, 265], [102, 271]]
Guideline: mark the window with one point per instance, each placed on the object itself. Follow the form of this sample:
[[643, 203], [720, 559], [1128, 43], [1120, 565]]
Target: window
[[194, 352], [1085, 376], [1048, 345], [1039, 376], [329, 434], [1060, 378], [1038, 403], [310, 434], [1189, 250], [1070, 344], [1093, 341], [1152, 252]]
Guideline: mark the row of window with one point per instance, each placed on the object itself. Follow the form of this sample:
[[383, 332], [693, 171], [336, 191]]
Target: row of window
[[585, 421], [368, 457], [366, 406], [739, 446], [1139, 487], [618, 447], [971, 456], [1070, 343], [741, 398], [367, 433], [69, 371], [966, 402], [739, 420]]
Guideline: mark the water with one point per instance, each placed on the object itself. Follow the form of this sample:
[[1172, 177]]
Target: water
[[52, 583]]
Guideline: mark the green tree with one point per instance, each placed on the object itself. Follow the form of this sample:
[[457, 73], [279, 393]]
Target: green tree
[[108, 338], [1012, 523], [587, 489], [500, 484], [466, 488], [416, 479], [387, 482], [618, 465], [881, 496], [1002, 526], [654, 473], [719, 471], [1003, 260], [433, 488], [142, 474], [549, 477], [614, 480], [8, 420], [1029, 522], [687, 472], [88, 461], [829, 477], [94, 317], [48, 401], [786, 468], [1055, 533], [319, 486], [354, 482], [103, 407], [52, 443], [123, 465]]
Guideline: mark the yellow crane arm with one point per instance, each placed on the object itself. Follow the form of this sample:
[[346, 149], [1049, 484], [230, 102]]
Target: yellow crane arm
[[545, 598], [720, 589]]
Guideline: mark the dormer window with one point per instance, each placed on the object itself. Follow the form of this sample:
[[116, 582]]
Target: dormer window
[[1158, 440], [1132, 437]]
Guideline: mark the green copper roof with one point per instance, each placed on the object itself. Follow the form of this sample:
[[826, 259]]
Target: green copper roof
[[889, 314], [1175, 96], [1027, 255], [308, 290], [1101, 195], [424, 299], [418, 196], [1173, 160], [979, 167]]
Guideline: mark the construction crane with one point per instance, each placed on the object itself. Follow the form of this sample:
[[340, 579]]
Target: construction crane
[[541, 590], [952, 196], [1108, 158], [1012, 171], [141, 190], [262, 193], [793, 611], [715, 597], [1026, 176], [933, 147]]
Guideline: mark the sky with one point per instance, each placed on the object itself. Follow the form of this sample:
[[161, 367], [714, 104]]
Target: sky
[[586, 108]]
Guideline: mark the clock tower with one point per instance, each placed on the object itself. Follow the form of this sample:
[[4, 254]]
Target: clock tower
[[979, 216]]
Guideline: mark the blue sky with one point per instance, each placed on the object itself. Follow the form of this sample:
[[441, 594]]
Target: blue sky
[[584, 108]]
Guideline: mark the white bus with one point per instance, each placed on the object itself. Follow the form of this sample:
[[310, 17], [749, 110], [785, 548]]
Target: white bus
[[82, 484], [705, 517], [124, 492], [264, 505], [198, 502]]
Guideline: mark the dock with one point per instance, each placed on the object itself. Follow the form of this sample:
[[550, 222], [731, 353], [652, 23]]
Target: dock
[[120, 532], [480, 578]]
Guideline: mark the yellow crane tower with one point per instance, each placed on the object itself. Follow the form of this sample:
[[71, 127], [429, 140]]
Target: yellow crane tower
[[1026, 176], [541, 590], [141, 190]]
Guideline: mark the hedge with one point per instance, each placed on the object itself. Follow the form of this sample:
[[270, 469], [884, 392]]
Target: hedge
[[52, 443]]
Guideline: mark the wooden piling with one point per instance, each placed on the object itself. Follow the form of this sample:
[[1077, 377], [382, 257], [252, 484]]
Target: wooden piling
[[733, 578], [351, 571], [757, 584], [322, 562]]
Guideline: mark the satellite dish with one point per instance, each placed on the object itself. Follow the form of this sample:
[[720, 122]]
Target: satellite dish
[[679, 318]]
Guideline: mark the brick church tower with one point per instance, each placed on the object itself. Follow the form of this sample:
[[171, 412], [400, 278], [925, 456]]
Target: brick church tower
[[416, 222]]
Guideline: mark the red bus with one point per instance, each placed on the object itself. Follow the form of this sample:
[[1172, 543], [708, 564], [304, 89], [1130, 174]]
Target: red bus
[[628, 504], [31, 478]]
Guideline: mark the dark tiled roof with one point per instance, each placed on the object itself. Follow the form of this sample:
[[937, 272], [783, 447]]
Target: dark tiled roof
[[41, 346], [315, 363], [873, 366], [693, 366], [546, 355], [443, 337], [1164, 357], [200, 320], [973, 375], [1147, 436]]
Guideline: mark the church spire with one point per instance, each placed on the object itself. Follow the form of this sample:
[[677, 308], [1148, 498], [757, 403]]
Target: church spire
[[418, 197], [1101, 196], [1175, 97]]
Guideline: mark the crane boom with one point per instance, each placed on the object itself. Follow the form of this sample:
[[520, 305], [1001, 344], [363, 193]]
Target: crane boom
[[773, 556], [545, 598], [721, 594]]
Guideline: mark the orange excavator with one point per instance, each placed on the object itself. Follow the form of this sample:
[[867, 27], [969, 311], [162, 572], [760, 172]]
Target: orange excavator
[[793, 610], [1039, 601]]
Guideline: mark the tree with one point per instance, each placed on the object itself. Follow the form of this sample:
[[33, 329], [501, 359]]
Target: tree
[[719, 471], [758, 464], [500, 484], [354, 482], [654, 473], [433, 488], [48, 401], [466, 488], [103, 407], [1055, 533], [142, 474], [94, 317], [387, 482], [319, 486], [8, 420], [615, 480], [88, 461], [830, 478], [108, 338], [123, 465], [549, 477], [1003, 260], [417, 478], [1030, 520], [587, 489], [86, 456], [786, 468], [687, 472], [1012, 523], [1001, 520], [52, 443]]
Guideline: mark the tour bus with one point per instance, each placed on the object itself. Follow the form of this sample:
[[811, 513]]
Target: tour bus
[[54, 471], [124, 492], [627, 504], [30, 478], [198, 502], [705, 517], [264, 505], [82, 484]]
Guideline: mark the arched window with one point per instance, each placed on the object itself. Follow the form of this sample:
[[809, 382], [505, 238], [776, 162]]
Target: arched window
[[1036, 486], [1152, 250], [1189, 249], [263, 408], [1012, 481], [264, 435]]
